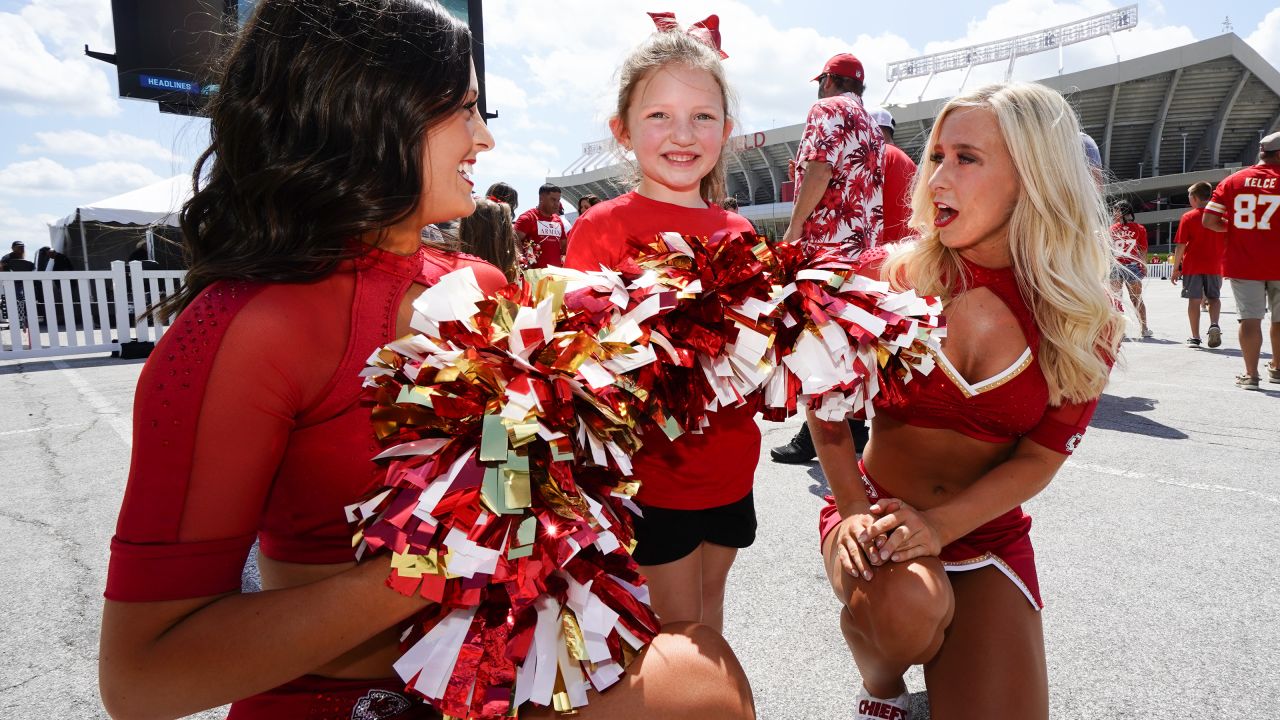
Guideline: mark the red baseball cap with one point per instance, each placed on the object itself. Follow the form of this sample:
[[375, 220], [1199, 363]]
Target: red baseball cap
[[844, 65]]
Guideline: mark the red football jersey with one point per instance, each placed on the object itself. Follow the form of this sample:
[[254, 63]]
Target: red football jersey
[[1131, 243], [546, 234], [899, 171], [1249, 200], [1203, 254]]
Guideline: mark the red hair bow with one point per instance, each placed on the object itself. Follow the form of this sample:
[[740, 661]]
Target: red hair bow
[[707, 31]]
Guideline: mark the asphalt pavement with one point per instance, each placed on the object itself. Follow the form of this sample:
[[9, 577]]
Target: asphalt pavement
[[1158, 545]]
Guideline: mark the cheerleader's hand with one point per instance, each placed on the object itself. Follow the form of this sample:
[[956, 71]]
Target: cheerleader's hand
[[910, 533], [855, 557]]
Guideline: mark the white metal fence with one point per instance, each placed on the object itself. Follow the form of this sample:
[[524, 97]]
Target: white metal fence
[[46, 314]]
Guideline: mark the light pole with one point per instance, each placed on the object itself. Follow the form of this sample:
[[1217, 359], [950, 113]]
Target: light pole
[[1184, 151]]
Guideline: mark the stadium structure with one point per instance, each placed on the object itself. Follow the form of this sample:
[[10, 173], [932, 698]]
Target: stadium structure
[[1162, 122]]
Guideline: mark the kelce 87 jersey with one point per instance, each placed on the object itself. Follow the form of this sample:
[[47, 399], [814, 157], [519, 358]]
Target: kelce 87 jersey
[[1249, 201]]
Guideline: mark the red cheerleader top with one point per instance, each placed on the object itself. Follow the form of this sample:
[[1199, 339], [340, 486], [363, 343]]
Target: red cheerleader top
[[247, 423], [1011, 404]]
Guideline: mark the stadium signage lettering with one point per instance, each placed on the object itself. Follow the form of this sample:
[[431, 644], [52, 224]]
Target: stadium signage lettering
[[746, 142], [160, 83]]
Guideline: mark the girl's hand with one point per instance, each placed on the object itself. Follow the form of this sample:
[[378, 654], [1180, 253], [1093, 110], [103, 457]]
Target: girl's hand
[[910, 533], [855, 556]]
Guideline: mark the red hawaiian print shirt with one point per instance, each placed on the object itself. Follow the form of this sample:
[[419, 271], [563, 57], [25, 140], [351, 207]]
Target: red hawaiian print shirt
[[850, 216]]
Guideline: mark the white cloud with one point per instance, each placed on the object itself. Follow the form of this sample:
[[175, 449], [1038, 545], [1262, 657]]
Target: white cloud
[[1266, 37], [43, 177], [45, 70], [504, 92], [31, 228], [114, 145], [71, 24]]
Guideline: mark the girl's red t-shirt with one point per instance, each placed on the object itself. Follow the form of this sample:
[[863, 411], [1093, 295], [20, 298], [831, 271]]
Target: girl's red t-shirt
[[696, 471]]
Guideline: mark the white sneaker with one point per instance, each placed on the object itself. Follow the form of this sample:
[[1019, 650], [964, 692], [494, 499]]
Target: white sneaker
[[874, 708]]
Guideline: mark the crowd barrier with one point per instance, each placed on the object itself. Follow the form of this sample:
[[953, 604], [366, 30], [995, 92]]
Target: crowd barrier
[[47, 314]]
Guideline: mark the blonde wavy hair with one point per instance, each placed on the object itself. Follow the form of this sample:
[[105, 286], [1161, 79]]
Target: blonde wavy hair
[[1058, 237]]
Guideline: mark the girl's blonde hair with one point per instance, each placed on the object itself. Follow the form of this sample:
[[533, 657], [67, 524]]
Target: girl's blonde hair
[[1058, 237], [673, 47], [487, 234]]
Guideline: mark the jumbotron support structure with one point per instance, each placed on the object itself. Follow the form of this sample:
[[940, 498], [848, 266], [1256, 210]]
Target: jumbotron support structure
[[1011, 49]]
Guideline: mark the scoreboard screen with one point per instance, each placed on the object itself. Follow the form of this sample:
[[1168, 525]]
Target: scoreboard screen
[[165, 49]]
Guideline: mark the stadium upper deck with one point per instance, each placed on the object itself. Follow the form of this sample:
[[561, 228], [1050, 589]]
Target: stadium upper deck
[[1162, 122]]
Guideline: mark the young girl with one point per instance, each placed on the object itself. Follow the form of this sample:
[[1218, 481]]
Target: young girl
[[248, 420], [1130, 240], [925, 542], [696, 492]]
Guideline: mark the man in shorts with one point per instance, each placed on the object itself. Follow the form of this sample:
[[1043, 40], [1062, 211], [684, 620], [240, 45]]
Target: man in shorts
[[1198, 263], [1245, 206]]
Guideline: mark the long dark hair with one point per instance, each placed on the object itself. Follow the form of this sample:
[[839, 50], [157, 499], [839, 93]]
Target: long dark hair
[[487, 234], [317, 135]]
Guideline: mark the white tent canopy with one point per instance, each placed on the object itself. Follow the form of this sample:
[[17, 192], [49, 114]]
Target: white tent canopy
[[155, 204]]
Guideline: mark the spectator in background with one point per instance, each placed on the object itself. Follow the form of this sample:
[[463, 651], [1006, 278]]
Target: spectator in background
[[1094, 156], [1198, 263], [487, 234], [899, 172], [1130, 240], [731, 204], [16, 250], [586, 202], [541, 232], [504, 193], [839, 171], [49, 259], [1244, 206], [16, 261], [838, 167]]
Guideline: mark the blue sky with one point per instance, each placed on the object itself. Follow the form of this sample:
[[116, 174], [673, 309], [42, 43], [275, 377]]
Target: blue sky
[[66, 139]]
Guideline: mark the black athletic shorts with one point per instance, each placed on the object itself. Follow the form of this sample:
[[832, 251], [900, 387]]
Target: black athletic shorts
[[664, 535]]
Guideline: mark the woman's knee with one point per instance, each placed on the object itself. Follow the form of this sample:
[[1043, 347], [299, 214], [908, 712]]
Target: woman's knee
[[909, 611], [693, 669]]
